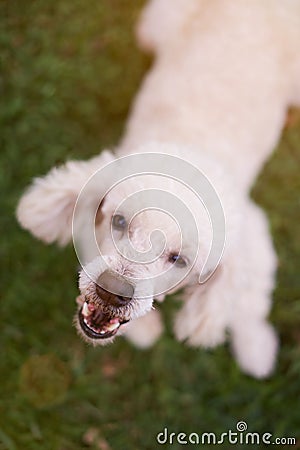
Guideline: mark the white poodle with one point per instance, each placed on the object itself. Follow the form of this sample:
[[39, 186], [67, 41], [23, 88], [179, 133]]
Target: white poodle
[[213, 106]]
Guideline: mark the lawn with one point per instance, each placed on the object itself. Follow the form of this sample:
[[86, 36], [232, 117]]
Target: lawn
[[69, 70]]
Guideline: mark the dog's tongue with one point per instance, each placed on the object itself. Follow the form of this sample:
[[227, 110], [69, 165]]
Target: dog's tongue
[[97, 320], [96, 317]]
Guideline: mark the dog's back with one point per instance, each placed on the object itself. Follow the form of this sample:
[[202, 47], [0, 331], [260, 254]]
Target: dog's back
[[224, 75]]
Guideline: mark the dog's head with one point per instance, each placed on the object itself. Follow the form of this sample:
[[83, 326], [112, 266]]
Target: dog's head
[[138, 238], [152, 235]]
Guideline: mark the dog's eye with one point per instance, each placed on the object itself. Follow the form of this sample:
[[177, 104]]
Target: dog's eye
[[119, 222], [178, 260]]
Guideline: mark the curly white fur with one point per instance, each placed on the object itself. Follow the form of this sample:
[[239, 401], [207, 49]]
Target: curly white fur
[[224, 75]]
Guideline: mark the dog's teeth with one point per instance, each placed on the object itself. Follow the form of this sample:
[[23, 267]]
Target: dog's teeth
[[113, 326], [85, 309], [115, 320]]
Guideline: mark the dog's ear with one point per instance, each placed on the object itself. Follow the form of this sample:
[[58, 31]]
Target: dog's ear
[[46, 208], [99, 214]]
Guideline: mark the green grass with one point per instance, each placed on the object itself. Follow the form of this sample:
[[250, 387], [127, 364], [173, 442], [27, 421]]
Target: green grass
[[69, 70]]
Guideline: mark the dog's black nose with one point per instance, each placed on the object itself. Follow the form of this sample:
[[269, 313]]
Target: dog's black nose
[[113, 289]]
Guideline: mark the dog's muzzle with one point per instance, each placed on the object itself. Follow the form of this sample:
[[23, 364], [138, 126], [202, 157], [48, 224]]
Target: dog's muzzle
[[102, 313]]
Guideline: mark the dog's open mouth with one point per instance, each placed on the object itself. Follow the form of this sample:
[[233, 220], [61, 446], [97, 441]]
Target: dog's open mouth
[[97, 324]]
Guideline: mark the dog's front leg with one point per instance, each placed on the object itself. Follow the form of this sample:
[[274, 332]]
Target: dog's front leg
[[239, 309], [203, 318], [238, 299]]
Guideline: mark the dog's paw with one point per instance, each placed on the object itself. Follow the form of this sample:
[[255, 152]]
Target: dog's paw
[[255, 346], [197, 331], [144, 331]]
